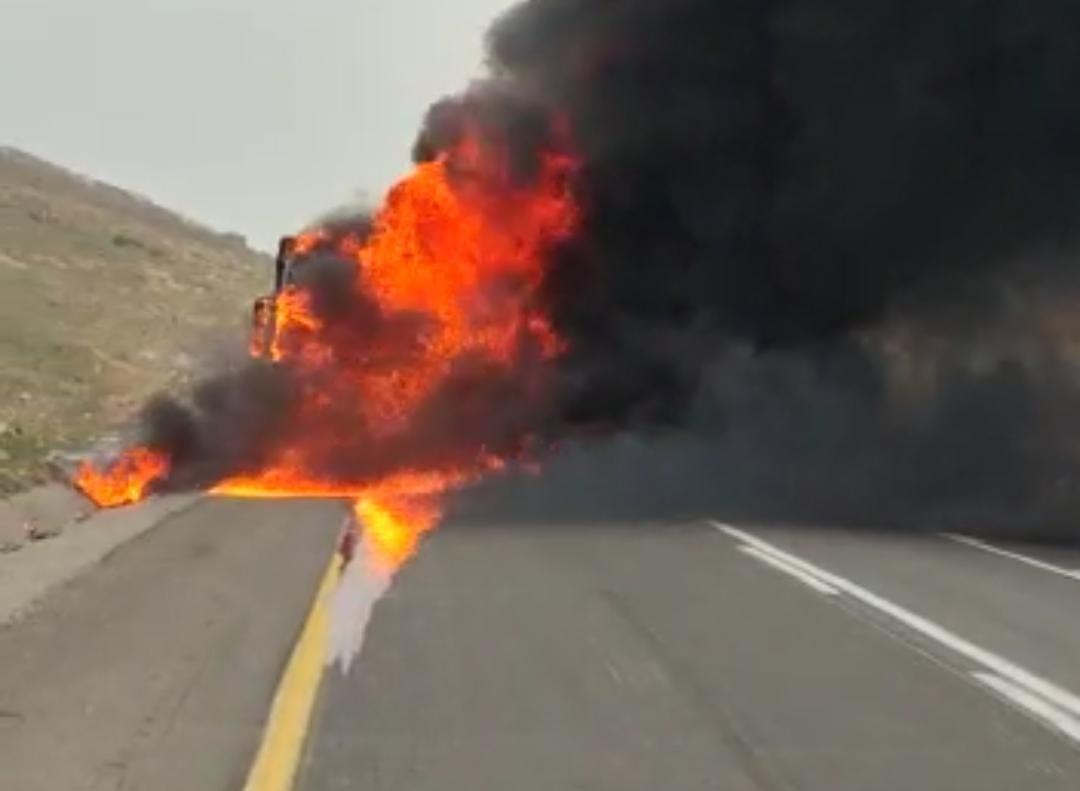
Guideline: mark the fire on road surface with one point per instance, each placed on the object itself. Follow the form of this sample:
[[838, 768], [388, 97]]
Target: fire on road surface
[[442, 286]]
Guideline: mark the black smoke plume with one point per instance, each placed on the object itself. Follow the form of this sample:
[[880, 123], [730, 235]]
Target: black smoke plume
[[825, 268], [784, 172]]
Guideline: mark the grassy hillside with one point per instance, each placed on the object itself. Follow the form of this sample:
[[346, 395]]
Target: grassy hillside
[[104, 297]]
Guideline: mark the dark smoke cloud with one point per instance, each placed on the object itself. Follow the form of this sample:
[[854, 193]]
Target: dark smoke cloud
[[819, 241], [228, 426], [824, 272], [790, 170], [821, 435]]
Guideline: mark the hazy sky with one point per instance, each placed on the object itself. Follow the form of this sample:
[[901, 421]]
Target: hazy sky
[[249, 115]]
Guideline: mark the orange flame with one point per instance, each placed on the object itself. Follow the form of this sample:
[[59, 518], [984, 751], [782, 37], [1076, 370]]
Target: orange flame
[[393, 527], [460, 244], [125, 481], [457, 241]]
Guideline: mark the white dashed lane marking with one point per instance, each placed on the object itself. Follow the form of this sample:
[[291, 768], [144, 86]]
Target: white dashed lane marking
[[1043, 700], [807, 579], [1072, 574]]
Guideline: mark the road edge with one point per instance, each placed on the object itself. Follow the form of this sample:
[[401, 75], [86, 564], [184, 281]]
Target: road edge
[[28, 576]]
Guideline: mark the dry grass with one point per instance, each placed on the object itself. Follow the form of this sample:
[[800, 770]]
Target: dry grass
[[103, 299]]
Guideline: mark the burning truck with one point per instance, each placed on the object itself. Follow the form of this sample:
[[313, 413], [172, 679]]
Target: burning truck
[[401, 355]]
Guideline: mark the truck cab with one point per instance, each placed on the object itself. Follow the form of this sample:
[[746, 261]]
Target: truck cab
[[265, 308]]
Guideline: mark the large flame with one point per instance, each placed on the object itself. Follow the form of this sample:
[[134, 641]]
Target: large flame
[[459, 247]]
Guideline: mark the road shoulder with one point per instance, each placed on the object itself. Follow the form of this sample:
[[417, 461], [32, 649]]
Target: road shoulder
[[30, 574]]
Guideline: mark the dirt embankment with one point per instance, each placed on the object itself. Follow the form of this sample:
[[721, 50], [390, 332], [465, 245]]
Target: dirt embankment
[[104, 298]]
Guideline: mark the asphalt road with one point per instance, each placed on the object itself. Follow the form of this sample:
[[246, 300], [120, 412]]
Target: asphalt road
[[666, 657], [659, 656], [155, 670]]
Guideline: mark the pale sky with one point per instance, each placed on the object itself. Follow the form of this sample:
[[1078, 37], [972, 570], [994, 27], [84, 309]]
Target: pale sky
[[249, 115]]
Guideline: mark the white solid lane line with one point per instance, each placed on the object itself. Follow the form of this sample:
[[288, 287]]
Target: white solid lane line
[[1033, 704], [778, 564], [1065, 701], [1025, 559]]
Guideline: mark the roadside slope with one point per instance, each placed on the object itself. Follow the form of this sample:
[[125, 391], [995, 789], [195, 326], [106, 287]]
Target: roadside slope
[[95, 285]]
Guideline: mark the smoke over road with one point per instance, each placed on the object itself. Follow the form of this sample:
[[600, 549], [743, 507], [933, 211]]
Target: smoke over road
[[826, 266], [821, 265]]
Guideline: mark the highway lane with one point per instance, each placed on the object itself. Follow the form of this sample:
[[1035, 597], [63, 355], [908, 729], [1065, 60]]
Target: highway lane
[[682, 657], [155, 670], [1023, 613], [674, 656]]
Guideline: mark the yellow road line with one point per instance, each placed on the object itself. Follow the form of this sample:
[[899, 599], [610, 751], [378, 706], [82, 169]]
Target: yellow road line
[[282, 743]]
